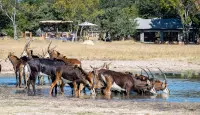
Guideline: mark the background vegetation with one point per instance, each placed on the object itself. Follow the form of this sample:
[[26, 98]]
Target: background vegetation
[[113, 16]]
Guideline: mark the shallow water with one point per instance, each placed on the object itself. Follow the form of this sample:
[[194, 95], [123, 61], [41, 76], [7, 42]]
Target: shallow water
[[181, 90]]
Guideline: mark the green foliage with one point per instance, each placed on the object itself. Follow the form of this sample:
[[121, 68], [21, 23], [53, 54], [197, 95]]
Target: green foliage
[[118, 17], [113, 16], [187, 11], [4, 21], [8, 31], [154, 8], [31, 13]]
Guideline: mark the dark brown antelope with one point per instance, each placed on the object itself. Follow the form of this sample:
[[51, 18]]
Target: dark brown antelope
[[77, 75], [55, 54], [159, 85], [121, 82], [46, 66]]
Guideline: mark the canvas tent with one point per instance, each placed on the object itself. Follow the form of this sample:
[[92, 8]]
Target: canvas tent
[[87, 24]]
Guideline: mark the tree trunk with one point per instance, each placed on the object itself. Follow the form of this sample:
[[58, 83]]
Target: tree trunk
[[81, 33], [15, 31], [76, 34]]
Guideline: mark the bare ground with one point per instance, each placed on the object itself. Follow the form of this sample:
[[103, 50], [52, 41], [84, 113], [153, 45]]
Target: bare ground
[[21, 103], [11, 103]]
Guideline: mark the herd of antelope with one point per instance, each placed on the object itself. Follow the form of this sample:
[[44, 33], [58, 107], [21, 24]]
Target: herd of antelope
[[58, 67]]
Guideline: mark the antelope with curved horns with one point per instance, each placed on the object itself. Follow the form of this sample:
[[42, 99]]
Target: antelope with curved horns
[[164, 85], [159, 85], [57, 55], [122, 82]]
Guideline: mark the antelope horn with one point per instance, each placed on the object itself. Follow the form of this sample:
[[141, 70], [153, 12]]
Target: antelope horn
[[163, 75], [144, 71], [26, 46], [151, 73], [104, 65], [49, 46], [91, 67], [43, 53], [109, 63]]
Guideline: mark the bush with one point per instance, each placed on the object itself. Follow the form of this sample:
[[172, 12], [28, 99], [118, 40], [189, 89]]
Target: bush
[[9, 32]]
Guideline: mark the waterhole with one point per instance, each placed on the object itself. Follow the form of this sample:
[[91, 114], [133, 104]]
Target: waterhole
[[181, 90]]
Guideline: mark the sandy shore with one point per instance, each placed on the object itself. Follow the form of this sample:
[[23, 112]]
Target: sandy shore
[[167, 66]]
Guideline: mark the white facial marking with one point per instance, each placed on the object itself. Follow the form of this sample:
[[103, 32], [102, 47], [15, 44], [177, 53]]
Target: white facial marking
[[153, 91], [166, 90]]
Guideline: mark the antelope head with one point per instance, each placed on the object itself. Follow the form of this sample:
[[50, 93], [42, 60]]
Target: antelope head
[[142, 77], [10, 54], [98, 83], [164, 84], [52, 53]]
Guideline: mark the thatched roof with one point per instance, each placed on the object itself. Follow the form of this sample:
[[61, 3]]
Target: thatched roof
[[55, 21]]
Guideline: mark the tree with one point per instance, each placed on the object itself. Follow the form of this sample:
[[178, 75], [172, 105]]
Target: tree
[[9, 8], [118, 17], [187, 9], [33, 11], [77, 11], [153, 9], [4, 20]]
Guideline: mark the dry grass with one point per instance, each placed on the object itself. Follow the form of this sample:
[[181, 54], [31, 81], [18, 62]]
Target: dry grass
[[127, 50]]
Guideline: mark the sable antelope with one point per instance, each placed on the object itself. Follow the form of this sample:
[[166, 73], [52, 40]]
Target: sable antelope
[[55, 54], [17, 66], [77, 75], [97, 84], [28, 51], [159, 85], [30, 55], [121, 82], [162, 86], [46, 66]]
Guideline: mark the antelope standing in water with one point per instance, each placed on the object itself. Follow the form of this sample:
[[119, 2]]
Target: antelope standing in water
[[17, 66]]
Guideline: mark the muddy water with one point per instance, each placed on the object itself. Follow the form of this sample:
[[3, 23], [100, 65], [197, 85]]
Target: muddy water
[[181, 90]]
